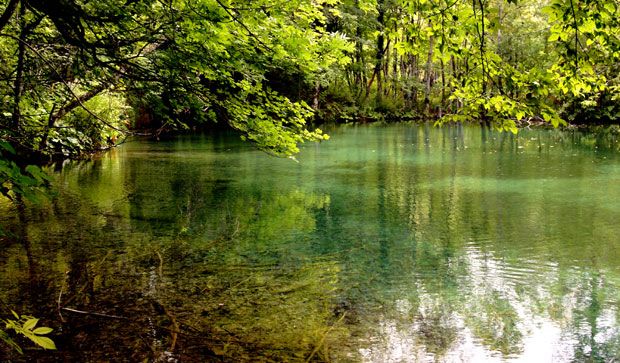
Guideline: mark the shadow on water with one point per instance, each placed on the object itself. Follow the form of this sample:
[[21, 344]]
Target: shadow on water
[[387, 244]]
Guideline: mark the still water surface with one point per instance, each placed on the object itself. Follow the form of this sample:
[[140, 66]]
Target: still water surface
[[401, 243]]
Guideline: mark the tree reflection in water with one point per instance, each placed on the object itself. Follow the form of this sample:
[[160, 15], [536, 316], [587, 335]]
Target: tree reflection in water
[[400, 243]]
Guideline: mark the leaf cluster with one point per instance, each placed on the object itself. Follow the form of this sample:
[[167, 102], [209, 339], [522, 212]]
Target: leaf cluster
[[26, 326]]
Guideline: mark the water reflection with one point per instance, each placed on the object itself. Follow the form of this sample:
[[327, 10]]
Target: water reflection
[[387, 244]]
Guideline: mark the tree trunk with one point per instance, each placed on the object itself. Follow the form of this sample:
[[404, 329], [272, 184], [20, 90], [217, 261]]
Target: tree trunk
[[316, 95], [380, 50], [18, 85], [429, 64]]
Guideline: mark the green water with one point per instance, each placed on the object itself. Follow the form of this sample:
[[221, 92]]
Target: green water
[[396, 243]]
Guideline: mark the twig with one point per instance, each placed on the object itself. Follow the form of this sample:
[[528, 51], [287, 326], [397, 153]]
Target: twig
[[60, 301], [175, 328], [95, 314], [160, 269], [572, 8], [236, 19]]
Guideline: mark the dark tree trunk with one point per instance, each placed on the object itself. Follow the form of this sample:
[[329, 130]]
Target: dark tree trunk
[[19, 78]]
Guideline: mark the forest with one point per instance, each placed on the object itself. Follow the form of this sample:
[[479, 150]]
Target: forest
[[80, 77]]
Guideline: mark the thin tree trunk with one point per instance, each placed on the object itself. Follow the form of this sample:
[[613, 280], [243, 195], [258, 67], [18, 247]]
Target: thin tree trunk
[[443, 84], [395, 75], [375, 74], [386, 69], [358, 68], [19, 78], [500, 14], [315, 97], [481, 36], [415, 74], [380, 53], [455, 77], [429, 64]]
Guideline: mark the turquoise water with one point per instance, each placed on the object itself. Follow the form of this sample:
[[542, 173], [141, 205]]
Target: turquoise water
[[400, 243]]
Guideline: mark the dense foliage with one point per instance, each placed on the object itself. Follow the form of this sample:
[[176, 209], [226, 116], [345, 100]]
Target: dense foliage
[[77, 75], [79, 72], [496, 60]]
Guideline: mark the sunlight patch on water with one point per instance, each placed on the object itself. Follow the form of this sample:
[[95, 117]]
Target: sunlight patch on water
[[524, 332]]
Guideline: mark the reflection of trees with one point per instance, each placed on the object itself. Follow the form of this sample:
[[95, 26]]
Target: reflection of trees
[[399, 236], [425, 209], [494, 320], [217, 275], [593, 322]]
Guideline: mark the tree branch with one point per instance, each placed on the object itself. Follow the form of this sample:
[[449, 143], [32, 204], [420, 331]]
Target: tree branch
[[77, 101], [8, 12], [77, 98], [236, 19]]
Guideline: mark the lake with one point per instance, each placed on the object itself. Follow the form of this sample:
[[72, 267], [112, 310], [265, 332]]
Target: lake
[[399, 243]]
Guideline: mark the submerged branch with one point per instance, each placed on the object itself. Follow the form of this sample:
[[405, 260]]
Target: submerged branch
[[95, 314]]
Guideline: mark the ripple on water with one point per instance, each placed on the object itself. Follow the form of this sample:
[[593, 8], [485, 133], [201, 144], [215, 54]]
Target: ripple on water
[[387, 244]]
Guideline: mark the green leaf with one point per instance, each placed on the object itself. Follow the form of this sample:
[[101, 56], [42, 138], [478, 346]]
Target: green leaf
[[553, 37], [42, 330], [37, 173], [520, 115], [588, 26], [610, 7], [44, 342], [6, 146], [30, 323]]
